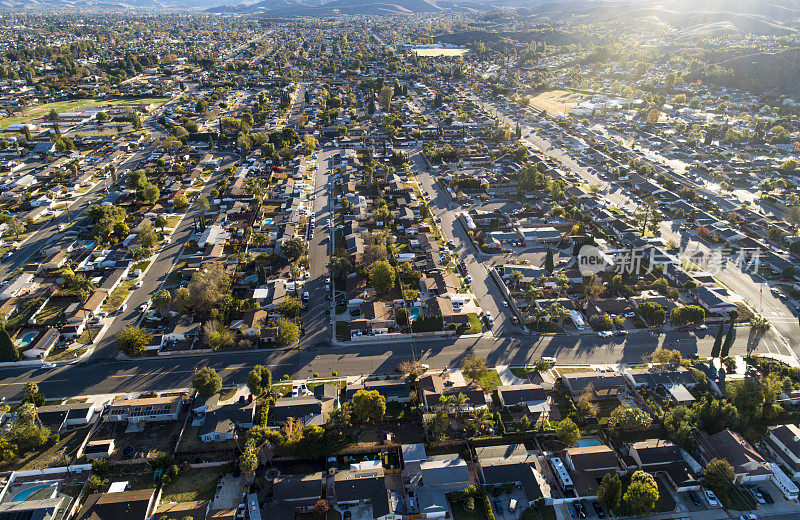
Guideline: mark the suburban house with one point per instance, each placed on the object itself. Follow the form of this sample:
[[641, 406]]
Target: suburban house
[[782, 444], [145, 409], [432, 388], [587, 465], [660, 456], [432, 478], [364, 488], [713, 300], [393, 390], [220, 421], [530, 396], [295, 494], [513, 464], [130, 505], [306, 408], [602, 385], [59, 416], [748, 464]]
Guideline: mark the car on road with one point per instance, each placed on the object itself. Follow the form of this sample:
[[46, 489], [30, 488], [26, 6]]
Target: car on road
[[138, 284], [48, 366], [122, 308], [748, 516], [605, 333], [711, 498], [621, 333], [143, 307]]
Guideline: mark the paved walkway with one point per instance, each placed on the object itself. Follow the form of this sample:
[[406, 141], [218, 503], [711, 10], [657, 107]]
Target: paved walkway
[[508, 377]]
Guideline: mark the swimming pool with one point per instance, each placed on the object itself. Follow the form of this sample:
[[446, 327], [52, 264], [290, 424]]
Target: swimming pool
[[27, 338], [414, 312], [589, 441], [23, 495]]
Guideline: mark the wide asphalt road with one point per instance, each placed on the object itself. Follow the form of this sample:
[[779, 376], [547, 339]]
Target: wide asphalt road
[[100, 376]]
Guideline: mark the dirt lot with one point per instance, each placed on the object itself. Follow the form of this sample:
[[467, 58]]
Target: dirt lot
[[558, 102]]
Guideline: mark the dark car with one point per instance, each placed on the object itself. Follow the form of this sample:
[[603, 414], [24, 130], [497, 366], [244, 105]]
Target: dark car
[[695, 499], [766, 495], [598, 510]]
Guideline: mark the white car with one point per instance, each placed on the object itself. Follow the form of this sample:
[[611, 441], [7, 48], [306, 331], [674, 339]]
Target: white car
[[48, 366], [748, 516], [711, 498], [138, 284], [605, 333]]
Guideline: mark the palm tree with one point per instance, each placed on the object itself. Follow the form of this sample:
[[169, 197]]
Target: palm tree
[[758, 327], [515, 277], [446, 401], [532, 293], [481, 419], [460, 400]]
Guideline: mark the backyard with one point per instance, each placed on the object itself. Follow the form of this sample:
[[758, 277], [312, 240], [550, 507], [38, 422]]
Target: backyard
[[193, 484]]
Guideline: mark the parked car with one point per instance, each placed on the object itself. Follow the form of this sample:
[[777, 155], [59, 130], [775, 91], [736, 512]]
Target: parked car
[[711, 498], [695, 499], [604, 333], [766, 495], [748, 516], [48, 366], [758, 496]]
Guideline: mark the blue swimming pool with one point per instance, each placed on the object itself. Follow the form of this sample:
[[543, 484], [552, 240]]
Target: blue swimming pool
[[27, 338], [23, 495], [589, 441], [414, 312]]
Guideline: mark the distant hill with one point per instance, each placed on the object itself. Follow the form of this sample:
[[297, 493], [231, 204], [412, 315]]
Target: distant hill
[[291, 8]]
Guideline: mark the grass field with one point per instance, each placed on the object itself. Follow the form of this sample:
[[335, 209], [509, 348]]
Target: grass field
[[68, 106], [192, 484], [558, 102], [436, 52]]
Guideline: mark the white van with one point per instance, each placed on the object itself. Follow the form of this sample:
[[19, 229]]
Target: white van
[[512, 506]]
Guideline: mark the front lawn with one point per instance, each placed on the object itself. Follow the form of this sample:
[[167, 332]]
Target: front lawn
[[475, 325], [192, 484], [118, 296], [490, 381]]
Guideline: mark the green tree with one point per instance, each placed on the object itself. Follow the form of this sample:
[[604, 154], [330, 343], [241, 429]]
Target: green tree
[[382, 276], [548, 261], [288, 333], [647, 216], [207, 382], [160, 222], [369, 405], [789, 166], [719, 475], [629, 419], [568, 432], [474, 368], [651, 312], [294, 248], [290, 307], [201, 203], [132, 340], [8, 352], [259, 380], [642, 494], [248, 461], [437, 425], [609, 492], [715, 350], [147, 236], [180, 202], [162, 301], [726, 347]]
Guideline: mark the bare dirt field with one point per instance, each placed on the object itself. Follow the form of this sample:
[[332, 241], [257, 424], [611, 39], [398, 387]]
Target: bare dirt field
[[558, 102]]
